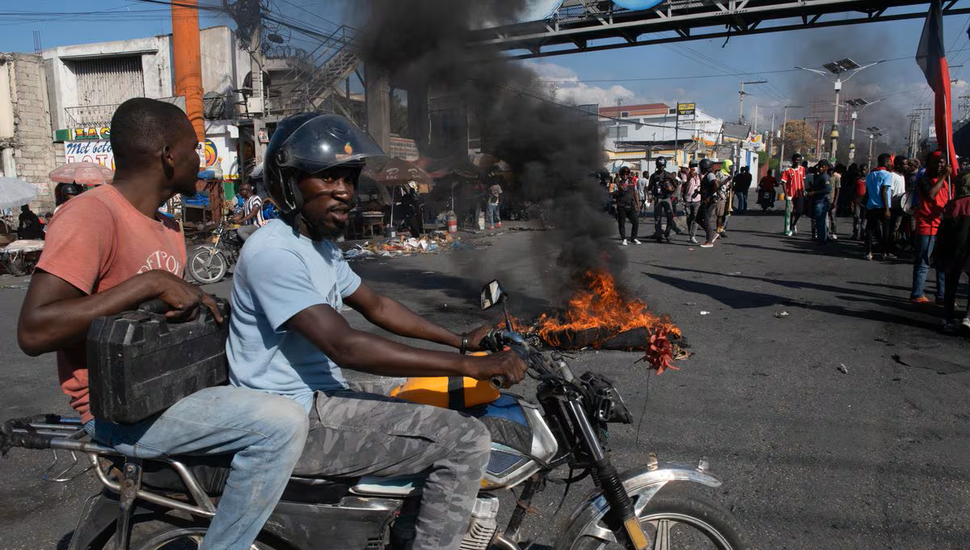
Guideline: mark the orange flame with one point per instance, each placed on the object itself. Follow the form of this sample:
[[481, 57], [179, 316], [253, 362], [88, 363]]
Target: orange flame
[[601, 306]]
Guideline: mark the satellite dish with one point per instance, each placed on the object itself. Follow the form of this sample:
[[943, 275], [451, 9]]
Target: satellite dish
[[637, 4]]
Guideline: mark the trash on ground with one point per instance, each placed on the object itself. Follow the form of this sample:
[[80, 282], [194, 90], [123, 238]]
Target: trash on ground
[[782, 314], [402, 246], [843, 369], [705, 313]]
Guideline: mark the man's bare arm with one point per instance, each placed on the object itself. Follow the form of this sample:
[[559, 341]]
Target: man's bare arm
[[330, 333], [56, 314], [394, 317]]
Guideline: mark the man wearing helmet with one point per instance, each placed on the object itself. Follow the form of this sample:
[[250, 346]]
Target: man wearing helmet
[[627, 206], [661, 188], [710, 186], [288, 337]]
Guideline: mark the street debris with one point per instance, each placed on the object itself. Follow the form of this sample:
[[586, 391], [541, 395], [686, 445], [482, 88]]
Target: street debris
[[843, 369], [782, 314], [705, 313], [403, 246]]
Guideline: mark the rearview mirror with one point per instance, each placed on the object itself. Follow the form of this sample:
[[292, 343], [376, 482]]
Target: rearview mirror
[[492, 295]]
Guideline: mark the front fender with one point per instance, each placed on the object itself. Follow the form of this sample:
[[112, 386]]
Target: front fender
[[642, 484]]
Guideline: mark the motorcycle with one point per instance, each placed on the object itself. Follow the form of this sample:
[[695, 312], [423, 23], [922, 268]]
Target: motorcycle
[[167, 503], [209, 264]]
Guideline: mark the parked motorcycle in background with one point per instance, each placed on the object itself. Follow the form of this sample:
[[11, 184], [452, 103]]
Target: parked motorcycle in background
[[167, 503], [210, 263]]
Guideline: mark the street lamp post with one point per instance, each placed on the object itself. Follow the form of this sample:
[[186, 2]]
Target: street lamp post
[[858, 105], [874, 132], [781, 155], [744, 93], [839, 68]]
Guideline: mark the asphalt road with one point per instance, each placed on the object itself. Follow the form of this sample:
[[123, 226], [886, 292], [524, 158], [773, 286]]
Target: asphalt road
[[811, 457]]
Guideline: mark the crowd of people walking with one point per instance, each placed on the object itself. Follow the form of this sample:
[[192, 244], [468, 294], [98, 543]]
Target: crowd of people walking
[[901, 208]]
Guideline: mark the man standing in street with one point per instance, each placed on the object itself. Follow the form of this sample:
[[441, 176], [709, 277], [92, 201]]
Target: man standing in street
[[793, 182], [661, 188], [879, 183], [691, 195], [29, 225], [710, 186], [492, 208], [836, 180], [627, 206], [742, 186], [111, 251], [897, 191], [251, 216], [935, 192], [724, 196], [818, 193]]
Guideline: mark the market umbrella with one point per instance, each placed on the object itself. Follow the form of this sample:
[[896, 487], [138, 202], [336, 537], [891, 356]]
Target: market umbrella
[[399, 172], [16, 192], [84, 173]]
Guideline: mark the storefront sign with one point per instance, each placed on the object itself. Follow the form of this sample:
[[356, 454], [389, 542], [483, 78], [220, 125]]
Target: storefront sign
[[90, 151], [403, 148], [686, 110]]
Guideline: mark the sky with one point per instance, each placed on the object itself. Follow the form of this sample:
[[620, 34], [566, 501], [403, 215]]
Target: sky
[[707, 72]]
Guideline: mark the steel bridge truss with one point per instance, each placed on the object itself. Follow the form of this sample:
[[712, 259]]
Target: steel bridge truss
[[595, 29]]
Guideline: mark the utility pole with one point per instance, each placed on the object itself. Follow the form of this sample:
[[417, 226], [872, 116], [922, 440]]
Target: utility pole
[[742, 94], [781, 155], [914, 119], [258, 97], [756, 118]]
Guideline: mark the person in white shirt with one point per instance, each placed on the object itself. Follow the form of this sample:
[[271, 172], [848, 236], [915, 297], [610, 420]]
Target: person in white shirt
[[252, 214], [896, 194]]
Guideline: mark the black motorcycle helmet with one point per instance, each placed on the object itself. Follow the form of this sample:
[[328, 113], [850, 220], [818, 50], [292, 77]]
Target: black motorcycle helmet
[[310, 143], [706, 165], [692, 164], [661, 163]]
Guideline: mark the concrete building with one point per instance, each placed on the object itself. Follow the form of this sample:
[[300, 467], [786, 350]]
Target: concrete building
[[87, 82], [636, 133], [25, 129]]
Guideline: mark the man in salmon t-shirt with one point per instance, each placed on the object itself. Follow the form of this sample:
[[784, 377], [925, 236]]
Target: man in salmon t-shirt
[[111, 251]]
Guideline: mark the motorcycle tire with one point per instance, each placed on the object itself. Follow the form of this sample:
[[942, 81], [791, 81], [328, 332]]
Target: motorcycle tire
[[209, 274], [169, 533], [680, 503]]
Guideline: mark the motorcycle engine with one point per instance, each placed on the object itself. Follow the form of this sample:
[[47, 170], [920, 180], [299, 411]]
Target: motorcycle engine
[[483, 524]]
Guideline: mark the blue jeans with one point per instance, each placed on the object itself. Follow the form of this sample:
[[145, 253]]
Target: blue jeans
[[491, 215], [741, 201], [921, 265], [266, 432], [821, 213]]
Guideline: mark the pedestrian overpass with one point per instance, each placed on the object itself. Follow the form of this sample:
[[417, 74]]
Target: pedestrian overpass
[[594, 25]]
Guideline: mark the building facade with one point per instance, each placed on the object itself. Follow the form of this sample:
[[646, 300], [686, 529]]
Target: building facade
[[25, 127]]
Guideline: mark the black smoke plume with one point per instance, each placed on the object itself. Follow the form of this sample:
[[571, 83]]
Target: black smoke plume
[[551, 148]]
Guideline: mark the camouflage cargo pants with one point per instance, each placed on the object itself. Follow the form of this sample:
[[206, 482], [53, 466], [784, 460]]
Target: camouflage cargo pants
[[361, 432]]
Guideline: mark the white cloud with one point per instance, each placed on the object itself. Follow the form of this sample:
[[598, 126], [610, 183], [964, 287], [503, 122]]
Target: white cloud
[[563, 83]]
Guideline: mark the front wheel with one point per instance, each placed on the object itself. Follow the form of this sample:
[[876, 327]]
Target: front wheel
[[170, 534], [208, 266], [677, 518]]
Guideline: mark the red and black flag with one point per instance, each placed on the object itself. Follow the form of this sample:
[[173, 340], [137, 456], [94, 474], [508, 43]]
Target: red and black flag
[[931, 57]]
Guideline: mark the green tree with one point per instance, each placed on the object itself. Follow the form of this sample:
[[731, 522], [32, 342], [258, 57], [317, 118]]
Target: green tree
[[800, 137]]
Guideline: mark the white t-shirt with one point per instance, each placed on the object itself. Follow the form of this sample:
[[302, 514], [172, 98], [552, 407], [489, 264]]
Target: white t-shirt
[[898, 188]]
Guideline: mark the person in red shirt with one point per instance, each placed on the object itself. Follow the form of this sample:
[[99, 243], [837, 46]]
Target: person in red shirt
[[793, 181], [934, 192], [766, 191]]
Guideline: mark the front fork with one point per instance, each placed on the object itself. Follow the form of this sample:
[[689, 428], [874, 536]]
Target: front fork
[[621, 512]]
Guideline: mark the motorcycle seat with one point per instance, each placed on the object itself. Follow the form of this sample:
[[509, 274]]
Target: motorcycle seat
[[211, 473]]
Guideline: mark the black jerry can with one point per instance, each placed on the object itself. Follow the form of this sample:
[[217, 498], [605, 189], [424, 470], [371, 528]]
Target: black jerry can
[[139, 364]]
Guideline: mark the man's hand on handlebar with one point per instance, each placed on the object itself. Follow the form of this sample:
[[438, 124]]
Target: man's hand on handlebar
[[505, 364], [476, 338], [184, 298]]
